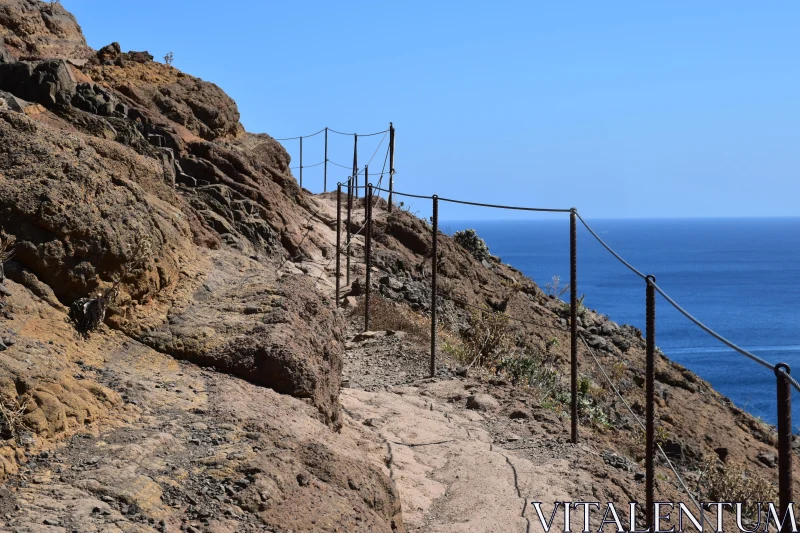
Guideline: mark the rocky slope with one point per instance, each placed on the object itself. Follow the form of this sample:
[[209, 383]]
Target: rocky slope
[[209, 400], [121, 174]]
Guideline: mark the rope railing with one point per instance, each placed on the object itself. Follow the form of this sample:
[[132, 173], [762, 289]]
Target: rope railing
[[354, 168], [781, 370], [359, 134], [641, 424], [301, 136]]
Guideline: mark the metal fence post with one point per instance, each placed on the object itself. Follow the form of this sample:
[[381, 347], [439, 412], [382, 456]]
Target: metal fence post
[[325, 174], [573, 320], [784, 441], [338, 241], [355, 162], [650, 446], [434, 269], [391, 164], [366, 181], [368, 253], [349, 220], [301, 162]]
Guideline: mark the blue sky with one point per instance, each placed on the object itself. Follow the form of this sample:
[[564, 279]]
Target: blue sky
[[622, 109]]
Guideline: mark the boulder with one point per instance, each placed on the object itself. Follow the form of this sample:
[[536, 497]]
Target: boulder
[[392, 283], [597, 342], [110, 52], [482, 402], [139, 57]]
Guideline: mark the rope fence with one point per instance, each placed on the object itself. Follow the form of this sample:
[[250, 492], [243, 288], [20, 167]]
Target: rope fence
[[355, 167], [782, 371]]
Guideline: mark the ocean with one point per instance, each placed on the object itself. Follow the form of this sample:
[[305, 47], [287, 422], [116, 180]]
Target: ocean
[[741, 277]]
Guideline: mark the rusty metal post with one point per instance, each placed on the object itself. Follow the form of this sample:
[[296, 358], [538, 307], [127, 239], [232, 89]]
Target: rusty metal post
[[349, 220], [650, 398], [368, 253], [391, 164], [325, 175], [338, 242], [301, 162], [355, 162], [573, 320], [784, 441], [366, 181], [434, 269]]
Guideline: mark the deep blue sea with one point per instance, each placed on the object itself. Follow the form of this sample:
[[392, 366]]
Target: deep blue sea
[[741, 277]]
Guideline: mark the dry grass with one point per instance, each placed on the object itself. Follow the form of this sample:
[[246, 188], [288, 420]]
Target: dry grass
[[389, 316], [733, 483]]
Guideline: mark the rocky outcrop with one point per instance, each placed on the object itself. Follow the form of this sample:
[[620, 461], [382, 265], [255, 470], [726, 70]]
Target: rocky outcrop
[[76, 246], [116, 436], [46, 82], [41, 30], [132, 151], [199, 106]]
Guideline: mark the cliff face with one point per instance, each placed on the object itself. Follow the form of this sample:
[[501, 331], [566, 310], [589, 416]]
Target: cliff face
[[108, 150], [117, 172]]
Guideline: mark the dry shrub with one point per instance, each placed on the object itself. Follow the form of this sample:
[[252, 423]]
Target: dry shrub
[[11, 413], [733, 483], [88, 313], [390, 316], [488, 337], [7, 243]]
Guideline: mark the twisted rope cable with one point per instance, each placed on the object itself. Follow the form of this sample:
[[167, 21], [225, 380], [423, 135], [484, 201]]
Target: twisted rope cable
[[607, 247]]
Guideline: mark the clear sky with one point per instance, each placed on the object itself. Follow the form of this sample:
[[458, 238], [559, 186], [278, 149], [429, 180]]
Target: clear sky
[[622, 109]]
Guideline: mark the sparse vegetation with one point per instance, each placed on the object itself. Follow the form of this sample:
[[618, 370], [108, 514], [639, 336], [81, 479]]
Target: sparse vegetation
[[565, 309], [169, 58], [488, 337], [720, 482], [7, 243], [469, 240], [388, 316], [555, 289], [88, 313], [11, 421]]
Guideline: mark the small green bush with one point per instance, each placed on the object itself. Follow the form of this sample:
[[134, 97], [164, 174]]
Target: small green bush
[[469, 240]]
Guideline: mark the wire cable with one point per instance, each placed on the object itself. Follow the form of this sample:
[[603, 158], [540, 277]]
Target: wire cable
[[301, 136], [378, 148], [722, 339], [511, 207], [409, 195], [359, 134], [341, 166], [663, 453], [685, 313], [610, 250], [308, 166]]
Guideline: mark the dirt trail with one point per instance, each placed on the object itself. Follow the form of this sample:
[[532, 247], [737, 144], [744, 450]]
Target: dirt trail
[[454, 467]]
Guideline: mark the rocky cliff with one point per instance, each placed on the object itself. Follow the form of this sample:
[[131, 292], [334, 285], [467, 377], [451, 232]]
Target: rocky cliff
[[109, 159], [209, 398]]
